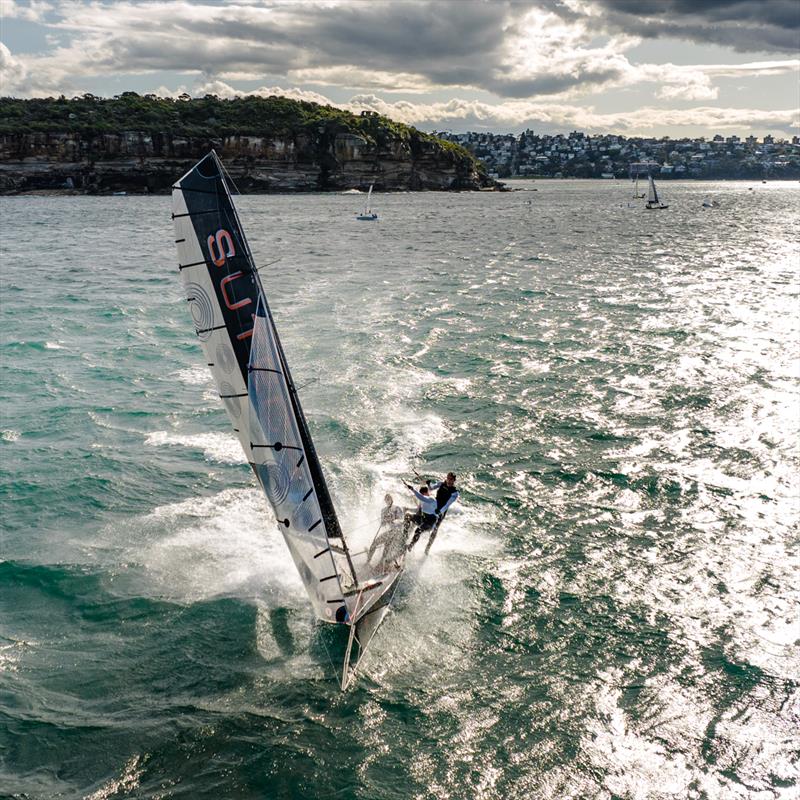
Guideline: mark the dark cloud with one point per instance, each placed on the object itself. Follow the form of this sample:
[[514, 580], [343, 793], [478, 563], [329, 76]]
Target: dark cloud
[[445, 43], [551, 83], [744, 25]]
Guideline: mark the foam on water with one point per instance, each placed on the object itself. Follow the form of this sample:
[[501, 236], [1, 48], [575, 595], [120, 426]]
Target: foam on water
[[223, 544], [219, 447]]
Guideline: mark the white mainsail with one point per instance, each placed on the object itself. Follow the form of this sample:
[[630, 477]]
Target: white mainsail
[[281, 463], [652, 196], [368, 206], [236, 331]]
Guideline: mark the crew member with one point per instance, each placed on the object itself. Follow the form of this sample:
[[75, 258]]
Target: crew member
[[425, 516], [446, 495], [391, 536]]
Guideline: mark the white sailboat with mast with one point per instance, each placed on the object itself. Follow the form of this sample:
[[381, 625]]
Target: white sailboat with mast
[[652, 196], [237, 333], [368, 215]]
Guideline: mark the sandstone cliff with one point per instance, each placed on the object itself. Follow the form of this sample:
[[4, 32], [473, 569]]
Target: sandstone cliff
[[306, 160]]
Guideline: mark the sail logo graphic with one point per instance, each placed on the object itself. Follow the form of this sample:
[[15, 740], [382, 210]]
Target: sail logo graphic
[[220, 249]]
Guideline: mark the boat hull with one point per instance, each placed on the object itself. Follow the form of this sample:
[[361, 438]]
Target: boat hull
[[364, 628]]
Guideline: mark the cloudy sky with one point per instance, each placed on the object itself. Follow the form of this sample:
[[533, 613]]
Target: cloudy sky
[[663, 67]]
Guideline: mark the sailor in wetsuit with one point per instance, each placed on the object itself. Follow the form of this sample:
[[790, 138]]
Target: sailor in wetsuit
[[446, 495], [425, 516]]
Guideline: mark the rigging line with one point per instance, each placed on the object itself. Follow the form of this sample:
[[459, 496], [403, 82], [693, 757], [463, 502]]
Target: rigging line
[[334, 667], [228, 176], [361, 527], [307, 383], [268, 264], [195, 213]]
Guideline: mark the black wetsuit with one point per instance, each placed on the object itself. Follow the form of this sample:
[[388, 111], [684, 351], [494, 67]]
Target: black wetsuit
[[443, 495]]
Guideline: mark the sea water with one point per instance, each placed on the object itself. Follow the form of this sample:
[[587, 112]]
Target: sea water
[[611, 611]]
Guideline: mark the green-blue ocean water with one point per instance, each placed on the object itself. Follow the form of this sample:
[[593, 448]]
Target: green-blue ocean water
[[612, 612]]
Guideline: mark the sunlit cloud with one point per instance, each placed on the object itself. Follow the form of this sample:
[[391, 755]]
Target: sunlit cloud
[[478, 115], [516, 113]]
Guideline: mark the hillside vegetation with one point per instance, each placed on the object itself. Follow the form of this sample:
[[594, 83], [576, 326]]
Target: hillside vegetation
[[205, 117]]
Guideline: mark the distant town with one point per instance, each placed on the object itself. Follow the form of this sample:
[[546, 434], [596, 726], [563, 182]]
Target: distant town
[[578, 155]]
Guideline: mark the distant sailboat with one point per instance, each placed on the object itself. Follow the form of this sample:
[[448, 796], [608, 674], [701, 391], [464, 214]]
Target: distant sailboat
[[234, 323], [368, 214], [637, 195], [652, 196], [709, 203]]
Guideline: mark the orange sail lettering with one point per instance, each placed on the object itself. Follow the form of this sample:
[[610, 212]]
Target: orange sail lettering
[[224, 247]]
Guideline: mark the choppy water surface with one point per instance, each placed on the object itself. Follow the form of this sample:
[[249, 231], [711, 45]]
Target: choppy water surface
[[613, 613]]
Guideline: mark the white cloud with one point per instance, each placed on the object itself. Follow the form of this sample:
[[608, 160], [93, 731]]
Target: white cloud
[[355, 77], [465, 114], [227, 92], [33, 12], [18, 78], [12, 69], [516, 114]]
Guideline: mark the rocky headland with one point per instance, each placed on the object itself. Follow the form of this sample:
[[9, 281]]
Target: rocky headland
[[136, 144]]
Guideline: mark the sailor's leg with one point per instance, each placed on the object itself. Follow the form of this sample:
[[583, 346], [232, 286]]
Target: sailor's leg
[[434, 531], [415, 537], [428, 522], [430, 540]]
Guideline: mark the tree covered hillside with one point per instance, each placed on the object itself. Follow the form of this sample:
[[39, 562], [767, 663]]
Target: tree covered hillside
[[206, 117]]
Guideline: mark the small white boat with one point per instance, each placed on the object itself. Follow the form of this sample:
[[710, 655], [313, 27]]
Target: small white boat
[[652, 196], [368, 214], [709, 203]]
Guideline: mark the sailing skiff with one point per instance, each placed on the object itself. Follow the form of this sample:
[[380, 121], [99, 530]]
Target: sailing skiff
[[368, 214], [237, 333], [653, 201]]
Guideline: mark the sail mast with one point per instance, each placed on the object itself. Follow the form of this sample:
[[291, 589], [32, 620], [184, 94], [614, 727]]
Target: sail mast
[[315, 468]]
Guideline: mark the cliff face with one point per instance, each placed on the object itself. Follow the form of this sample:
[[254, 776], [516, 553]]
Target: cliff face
[[139, 162]]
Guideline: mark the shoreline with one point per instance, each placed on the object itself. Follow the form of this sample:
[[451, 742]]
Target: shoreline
[[503, 187]]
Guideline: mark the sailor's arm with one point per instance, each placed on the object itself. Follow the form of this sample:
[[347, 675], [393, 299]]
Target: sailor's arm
[[453, 498]]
